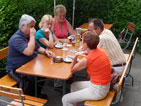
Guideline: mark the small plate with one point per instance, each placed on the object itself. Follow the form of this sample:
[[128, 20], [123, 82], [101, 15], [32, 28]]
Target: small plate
[[69, 37], [59, 46], [69, 45], [67, 60]]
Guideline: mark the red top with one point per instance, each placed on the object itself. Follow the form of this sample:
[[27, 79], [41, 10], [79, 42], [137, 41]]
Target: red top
[[60, 32], [99, 67]]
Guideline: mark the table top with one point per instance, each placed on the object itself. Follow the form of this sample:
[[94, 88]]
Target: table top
[[41, 66], [107, 26]]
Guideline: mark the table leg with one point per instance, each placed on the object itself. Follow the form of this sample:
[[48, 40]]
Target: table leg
[[64, 87], [36, 87]]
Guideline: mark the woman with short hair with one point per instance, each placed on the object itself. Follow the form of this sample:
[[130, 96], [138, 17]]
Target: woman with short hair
[[61, 26], [99, 69]]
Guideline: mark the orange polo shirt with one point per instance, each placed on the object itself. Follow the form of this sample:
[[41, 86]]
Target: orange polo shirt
[[99, 67]]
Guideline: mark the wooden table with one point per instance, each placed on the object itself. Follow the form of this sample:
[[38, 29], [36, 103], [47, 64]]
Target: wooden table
[[85, 26], [41, 67]]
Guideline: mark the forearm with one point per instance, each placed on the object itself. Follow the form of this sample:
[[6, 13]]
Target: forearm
[[64, 40], [30, 46], [50, 42], [78, 66], [41, 50], [74, 62]]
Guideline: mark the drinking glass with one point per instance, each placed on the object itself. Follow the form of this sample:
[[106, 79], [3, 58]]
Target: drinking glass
[[51, 60], [73, 40]]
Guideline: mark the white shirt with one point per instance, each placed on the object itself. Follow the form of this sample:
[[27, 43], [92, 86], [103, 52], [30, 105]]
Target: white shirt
[[109, 42]]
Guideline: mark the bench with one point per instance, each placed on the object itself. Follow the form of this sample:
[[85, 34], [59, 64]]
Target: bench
[[6, 80], [134, 49], [19, 98], [112, 93]]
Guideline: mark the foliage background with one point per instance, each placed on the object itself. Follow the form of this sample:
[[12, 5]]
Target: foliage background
[[117, 12]]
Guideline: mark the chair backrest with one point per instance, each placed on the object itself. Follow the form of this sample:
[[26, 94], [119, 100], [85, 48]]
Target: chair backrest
[[11, 92], [126, 35], [129, 31], [3, 53], [127, 66]]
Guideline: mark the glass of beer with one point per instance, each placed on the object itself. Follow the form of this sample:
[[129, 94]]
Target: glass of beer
[[73, 40], [78, 37]]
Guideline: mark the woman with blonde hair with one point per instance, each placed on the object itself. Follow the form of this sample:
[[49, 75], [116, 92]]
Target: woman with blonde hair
[[61, 26], [45, 36]]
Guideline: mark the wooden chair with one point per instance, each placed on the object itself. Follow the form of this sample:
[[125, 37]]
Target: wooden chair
[[112, 93], [19, 98], [126, 35], [6, 80]]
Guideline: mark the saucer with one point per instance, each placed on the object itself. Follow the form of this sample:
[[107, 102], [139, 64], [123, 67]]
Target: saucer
[[67, 60], [59, 46]]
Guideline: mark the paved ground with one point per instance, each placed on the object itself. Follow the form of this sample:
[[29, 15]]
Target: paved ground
[[131, 96]]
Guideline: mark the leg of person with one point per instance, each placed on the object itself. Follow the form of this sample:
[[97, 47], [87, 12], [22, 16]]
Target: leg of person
[[79, 85], [16, 77], [91, 92], [58, 83], [119, 69]]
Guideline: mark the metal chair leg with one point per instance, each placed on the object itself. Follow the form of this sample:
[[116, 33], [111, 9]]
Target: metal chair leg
[[132, 81]]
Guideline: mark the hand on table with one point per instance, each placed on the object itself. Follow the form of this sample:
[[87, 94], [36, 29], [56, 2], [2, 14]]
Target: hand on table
[[82, 53], [49, 53]]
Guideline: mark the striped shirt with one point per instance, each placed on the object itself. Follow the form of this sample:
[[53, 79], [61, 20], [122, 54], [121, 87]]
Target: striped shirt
[[109, 42]]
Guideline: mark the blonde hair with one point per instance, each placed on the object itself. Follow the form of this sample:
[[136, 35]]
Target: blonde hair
[[45, 19], [59, 8]]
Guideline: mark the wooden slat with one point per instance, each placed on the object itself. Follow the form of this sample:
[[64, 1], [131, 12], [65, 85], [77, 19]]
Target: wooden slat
[[11, 92], [35, 99], [15, 103], [131, 26], [105, 102], [10, 95], [7, 81], [3, 53], [30, 102], [10, 89]]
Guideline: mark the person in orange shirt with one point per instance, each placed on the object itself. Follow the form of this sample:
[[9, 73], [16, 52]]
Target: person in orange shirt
[[99, 69]]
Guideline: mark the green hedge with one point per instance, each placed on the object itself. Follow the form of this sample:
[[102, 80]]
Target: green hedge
[[117, 12]]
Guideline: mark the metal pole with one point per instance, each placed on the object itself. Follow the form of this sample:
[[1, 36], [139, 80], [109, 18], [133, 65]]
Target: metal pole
[[54, 3], [73, 13]]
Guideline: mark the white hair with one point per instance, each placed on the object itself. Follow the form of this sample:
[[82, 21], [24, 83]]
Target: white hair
[[25, 19]]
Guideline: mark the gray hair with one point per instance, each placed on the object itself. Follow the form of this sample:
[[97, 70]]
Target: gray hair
[[25, 19]]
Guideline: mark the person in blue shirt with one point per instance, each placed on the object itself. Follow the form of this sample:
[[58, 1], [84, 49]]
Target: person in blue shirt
[[23, 48], [45, 36]]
